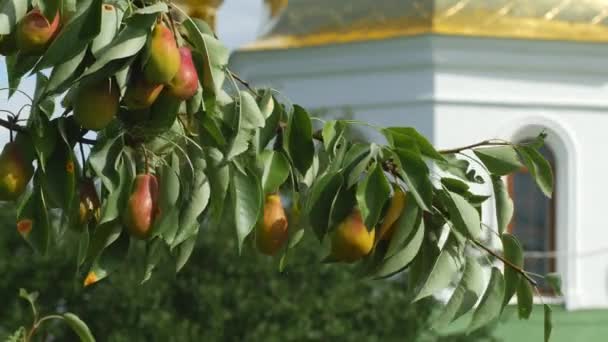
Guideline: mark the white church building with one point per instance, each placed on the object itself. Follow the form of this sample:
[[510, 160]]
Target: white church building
[[462, 71]]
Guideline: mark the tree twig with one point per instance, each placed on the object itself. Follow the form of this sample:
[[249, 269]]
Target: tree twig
[[18, 128], [507, 262], [243, 82]]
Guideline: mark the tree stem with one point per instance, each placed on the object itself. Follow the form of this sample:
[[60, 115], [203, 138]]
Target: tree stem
[[507, 262], [468, 147]]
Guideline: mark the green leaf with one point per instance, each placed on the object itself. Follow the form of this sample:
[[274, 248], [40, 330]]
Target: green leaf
[[319, 204], [17, 66], [167, 221], [219, 179], [332, 131], [490, 306], [79, 327], [407, 223], [159, 7], [441, 273], [548, 322], [372, 194], [415, 174], [455, 185], [131, 39], [214, 55], [104, 235], [156, 250], [75, 36], [504, 204], [300, 145], [463, 215], [250, 112], [62, 177], [11, 11], [500, 160], [247, 194], [102, 158], [555, 281], [117, 199], [33, 221], [465, 296], [269, 131], [196, 203], [539, 168], [514, 253], [459, 168], [404, 137], [111, 18], [109, 260], [525, 299], [275, 170], [183, 251], [356, 161], [400, 259], [31, 297], [64, 74]]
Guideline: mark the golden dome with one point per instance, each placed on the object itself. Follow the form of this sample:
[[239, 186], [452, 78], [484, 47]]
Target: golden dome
[[321, 22]]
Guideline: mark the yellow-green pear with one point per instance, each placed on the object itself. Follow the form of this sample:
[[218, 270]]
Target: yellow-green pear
[[96, 104], [164, 58], [271, 230], [15, 172], [351, 240], [393, 213]]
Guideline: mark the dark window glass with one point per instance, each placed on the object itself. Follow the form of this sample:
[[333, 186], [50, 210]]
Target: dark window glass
[[534, 221]]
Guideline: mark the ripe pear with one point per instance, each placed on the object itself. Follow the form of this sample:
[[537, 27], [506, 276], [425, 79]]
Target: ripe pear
[[271, 230], [140, 93], [35, 32], [392, 214], [142, 206], [96, 104], [15, 172], [164, 59], [185, 83], [89, 204], [351, 240]]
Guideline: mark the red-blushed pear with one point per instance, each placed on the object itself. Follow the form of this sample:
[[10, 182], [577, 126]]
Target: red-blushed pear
[[95, 104], [271, 231], [140, 93], [35, 32], [351, 240], [392, 214], [185, 82], [142, 206], [15, 172], [89, 204], [164, 59]]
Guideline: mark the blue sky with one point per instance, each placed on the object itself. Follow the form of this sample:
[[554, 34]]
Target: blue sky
[[238, 23]]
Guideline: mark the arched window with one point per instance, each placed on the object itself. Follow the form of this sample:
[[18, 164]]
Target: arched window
[[534, 221]]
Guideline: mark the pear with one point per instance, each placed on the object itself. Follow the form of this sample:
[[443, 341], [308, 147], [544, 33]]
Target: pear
[[185, 83], [142, 206], [351, 240], [164, 58], [15, 172], [392, 214], [96, 104], [271, 230], [89, 204], [35, 32], [140, 93]]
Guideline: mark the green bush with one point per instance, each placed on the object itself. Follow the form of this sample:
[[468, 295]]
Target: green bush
[[219, 296]]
